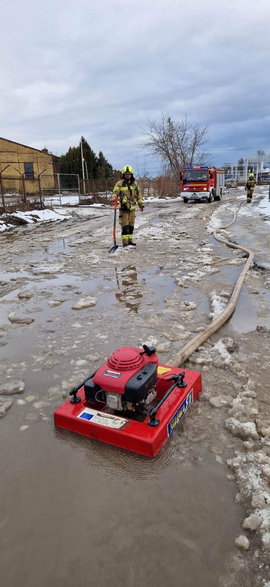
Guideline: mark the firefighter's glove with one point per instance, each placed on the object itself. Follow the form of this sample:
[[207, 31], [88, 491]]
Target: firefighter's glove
[[125, 206], [141, 208]]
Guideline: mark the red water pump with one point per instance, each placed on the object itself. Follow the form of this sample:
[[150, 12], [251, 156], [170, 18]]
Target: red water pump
[[132, 401]]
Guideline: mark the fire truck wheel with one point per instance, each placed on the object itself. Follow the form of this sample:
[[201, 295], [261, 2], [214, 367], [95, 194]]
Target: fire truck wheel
[[185, 200]]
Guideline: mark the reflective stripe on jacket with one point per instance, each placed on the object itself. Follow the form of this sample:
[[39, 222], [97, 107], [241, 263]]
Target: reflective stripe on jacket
[[250, 184], [127, 193]]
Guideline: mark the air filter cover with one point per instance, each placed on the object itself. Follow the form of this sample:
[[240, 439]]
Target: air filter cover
[[126, 358]]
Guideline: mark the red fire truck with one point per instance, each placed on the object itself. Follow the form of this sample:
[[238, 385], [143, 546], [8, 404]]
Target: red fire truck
[[202, 183]]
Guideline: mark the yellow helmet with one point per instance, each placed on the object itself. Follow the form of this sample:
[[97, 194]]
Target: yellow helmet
[[251, 175], [127, 169]]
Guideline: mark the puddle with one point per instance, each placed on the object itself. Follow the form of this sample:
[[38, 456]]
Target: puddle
[[244, 318], [134, 290], [14, 276], [129, 501], [57, 246]]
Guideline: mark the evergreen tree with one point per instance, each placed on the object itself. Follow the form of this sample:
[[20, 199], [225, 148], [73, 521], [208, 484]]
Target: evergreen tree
[[94, 167], [90, 160], [104, 169], [71, 161]]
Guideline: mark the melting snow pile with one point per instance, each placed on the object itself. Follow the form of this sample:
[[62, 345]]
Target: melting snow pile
[[31, 217], [252, 466], [218, 303]]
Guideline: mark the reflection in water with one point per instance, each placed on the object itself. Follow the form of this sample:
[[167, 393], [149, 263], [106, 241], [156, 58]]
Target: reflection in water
[[117, 462], [129, 288]]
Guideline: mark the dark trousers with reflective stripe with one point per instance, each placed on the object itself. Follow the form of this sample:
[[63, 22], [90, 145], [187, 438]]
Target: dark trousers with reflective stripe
[[127, 221]]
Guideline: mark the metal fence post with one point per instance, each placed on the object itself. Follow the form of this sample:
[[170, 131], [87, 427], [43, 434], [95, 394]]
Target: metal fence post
[[2, 189], [39, 187], [2, 193], [59, 188]]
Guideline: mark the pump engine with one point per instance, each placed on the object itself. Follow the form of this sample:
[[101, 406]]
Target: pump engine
[[126, 382]]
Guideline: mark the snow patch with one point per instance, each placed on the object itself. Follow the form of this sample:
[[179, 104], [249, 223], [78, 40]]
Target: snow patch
[[34, 216], [218, 303]]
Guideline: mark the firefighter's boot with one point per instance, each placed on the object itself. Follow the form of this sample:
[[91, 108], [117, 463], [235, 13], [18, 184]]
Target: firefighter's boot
[[125, 242]]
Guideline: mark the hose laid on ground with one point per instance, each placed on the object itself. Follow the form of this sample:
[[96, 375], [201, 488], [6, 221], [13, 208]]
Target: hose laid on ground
[[200, 338]]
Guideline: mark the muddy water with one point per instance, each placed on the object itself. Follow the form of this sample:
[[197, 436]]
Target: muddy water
[[75, 511]]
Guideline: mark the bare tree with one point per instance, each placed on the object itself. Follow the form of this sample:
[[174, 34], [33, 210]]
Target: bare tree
[[178, 144]]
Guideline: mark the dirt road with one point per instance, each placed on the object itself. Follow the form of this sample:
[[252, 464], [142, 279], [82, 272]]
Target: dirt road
[[75, 512]]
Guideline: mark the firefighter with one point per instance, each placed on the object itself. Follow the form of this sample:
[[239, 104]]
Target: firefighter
[[250, 185], [127, 193]]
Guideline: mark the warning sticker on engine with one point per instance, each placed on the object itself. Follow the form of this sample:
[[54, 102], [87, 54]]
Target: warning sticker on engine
[[162, 369], [113, 374], [107, 420], [178, 415]]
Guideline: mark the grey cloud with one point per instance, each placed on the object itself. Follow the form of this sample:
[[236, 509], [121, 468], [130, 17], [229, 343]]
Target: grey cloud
[[102, 70]]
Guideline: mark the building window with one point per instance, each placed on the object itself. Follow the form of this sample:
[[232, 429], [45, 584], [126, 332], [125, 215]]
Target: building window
[[28, 171]]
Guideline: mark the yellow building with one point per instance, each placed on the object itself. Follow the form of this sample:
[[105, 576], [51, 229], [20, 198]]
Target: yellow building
[[26, 170]]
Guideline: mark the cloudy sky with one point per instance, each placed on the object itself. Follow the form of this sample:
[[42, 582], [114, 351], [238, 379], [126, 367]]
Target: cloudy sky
[[102, 69]]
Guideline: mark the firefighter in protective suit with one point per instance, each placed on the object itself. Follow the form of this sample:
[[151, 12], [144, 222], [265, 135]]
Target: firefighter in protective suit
[[126, 193], [250, 185]]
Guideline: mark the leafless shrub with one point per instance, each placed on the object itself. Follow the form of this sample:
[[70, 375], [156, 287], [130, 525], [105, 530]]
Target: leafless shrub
[[177, 144]]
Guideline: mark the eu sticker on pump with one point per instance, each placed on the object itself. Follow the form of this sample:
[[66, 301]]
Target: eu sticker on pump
[[101, 418]]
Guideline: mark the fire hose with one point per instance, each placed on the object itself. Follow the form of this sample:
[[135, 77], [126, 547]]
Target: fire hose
[[180, 358]]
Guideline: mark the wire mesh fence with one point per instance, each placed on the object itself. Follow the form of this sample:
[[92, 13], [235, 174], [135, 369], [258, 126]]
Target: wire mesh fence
[[70, 190], [41, 190], [100, 190]]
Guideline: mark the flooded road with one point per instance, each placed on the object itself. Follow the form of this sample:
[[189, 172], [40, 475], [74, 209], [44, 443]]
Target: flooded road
[[78, 512]]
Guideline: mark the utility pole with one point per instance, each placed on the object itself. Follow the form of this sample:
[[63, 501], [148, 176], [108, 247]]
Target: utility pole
[[83, 172], [87, 178], [246, 170]]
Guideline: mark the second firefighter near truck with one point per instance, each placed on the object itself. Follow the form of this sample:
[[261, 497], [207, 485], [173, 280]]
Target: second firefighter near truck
[[126, 193], [250, 186]]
